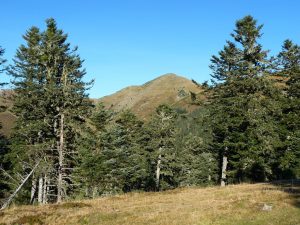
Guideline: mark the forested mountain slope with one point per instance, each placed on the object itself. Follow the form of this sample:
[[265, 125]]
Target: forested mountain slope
[[168, 89]]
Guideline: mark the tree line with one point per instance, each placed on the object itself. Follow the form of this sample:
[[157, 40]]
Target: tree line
[[65, 146]]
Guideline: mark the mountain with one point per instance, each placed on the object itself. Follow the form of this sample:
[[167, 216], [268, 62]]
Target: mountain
[[168, 89], [7, 119], [142, 100]]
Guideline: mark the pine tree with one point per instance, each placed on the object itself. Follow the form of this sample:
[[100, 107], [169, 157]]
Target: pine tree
[[288, 66], [132, 157], [66, 94], [117, 161], [91, 171], [2, 60], [198, 164], [244, 106], [51, 105], [162, 132], [30, 136]]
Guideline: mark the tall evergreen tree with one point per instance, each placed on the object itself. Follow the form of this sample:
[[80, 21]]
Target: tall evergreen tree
[[117, 161], [51, 105], [244, 106], [30, 133], [162, 132], [198, 164], [288, 62], [66, 94]]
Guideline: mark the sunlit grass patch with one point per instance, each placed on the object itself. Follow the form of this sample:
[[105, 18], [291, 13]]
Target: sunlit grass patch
[[232, 205]]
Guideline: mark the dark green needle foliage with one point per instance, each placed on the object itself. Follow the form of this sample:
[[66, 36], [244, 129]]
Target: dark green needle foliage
[[288, 62], [164, 156], [51, 106], [198, 163], [245, 105]]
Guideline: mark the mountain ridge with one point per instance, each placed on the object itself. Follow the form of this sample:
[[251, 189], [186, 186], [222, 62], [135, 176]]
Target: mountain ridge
[[142, 99]]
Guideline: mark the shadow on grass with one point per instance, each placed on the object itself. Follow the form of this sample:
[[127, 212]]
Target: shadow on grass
[[70, 205], [37, 219], [292, 187]]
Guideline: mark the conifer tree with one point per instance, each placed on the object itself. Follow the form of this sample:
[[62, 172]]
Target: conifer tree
[[117, 161], [126, 152], [2, 60], [30, 133], [288, 62], [51, 105], [91, 171], [243, 106], [162, 131], [66, 94], [198, 164]]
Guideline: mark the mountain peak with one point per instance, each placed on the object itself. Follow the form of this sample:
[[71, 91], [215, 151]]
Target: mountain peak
[[169, 89]]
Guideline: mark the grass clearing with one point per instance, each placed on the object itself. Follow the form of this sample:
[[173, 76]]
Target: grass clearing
[[232, 205]]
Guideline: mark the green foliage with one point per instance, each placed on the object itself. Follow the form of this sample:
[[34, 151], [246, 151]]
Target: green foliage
[[288, 66], [245, 106], [50, 104], [198, 164], [117, 161], [162, 131], [2, 61]]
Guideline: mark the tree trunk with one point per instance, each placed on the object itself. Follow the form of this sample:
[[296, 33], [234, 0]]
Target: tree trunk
[[158, 170], [95, 191], [33, 190], [60, 160], [45, 188], [40, 190], [224, 167]]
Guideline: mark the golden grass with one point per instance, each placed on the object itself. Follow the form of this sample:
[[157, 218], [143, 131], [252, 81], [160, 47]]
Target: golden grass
[[232, 205]]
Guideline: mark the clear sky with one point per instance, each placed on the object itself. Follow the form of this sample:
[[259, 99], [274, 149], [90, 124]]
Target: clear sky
[[129, 42]]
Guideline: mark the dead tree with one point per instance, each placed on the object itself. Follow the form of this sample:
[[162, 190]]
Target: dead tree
[[224, 170], [7, 203]]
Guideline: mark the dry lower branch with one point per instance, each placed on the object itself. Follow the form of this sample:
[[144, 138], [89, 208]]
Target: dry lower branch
[[6, 204]]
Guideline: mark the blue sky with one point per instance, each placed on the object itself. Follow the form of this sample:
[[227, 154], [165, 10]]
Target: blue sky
[[129, 42]]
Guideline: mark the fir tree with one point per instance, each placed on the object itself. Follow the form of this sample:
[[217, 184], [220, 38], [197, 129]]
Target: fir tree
[[162, 132], [51, 105], [198, 164], [244, 106], [117, 161], [288, 62], [2, 60], [29, 141]]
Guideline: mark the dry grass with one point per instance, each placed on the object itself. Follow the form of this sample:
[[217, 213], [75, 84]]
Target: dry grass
[[234, 205], [7, 121]]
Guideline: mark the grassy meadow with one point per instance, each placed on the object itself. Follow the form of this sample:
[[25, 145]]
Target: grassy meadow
[[232, 205]]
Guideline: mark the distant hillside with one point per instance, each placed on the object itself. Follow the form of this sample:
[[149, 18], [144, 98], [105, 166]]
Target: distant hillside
[[142, 100], [7, 119]]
